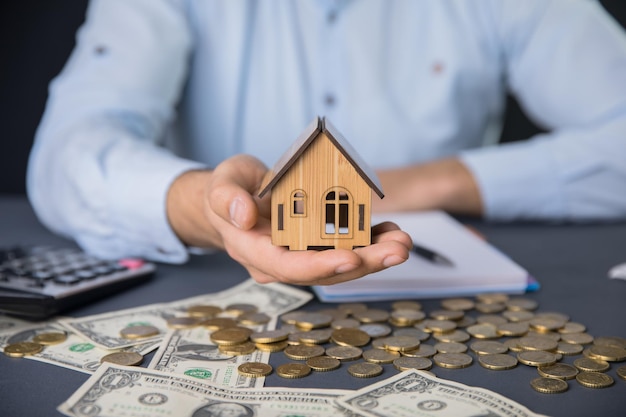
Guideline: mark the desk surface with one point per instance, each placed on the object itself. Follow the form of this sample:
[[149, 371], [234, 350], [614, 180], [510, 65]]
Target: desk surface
[[570, 261]]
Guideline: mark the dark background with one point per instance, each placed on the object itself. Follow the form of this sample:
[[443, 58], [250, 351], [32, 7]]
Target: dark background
[[36, 38]]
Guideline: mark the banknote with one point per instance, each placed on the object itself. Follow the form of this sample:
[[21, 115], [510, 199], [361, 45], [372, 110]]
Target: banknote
[[103, 330], [413, 393], [116, 390], [74, 353], [190, 352]]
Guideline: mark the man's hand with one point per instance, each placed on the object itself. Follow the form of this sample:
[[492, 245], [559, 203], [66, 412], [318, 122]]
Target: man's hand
[[220, 209], [445, 184]]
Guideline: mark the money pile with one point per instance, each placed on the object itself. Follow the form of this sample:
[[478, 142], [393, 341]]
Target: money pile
[[182, 329], [494, 330]]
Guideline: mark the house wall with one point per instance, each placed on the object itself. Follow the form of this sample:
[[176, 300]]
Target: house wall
[[320, 167]]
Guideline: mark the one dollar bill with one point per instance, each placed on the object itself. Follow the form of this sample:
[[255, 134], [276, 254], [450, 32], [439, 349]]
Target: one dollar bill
[[116, 390], [417, 394]]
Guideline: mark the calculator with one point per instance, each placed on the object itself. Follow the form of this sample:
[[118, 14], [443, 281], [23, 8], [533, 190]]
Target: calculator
[[37, 282]]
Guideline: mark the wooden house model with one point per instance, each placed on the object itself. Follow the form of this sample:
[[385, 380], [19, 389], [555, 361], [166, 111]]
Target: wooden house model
[[321, 192]]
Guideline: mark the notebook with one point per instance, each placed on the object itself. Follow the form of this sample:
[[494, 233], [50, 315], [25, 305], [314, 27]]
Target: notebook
[[478, 267]]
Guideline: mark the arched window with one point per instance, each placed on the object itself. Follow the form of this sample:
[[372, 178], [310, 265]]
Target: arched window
[[298, 203], [337, 212]]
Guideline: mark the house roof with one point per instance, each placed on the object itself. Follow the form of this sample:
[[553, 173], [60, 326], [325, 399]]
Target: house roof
[[305, 139]]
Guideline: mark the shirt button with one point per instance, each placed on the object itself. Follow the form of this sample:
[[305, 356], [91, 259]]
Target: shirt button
[[331, 17], [329, 100]]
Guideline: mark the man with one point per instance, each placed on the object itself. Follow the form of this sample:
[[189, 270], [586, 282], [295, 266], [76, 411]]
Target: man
[[140, 149]]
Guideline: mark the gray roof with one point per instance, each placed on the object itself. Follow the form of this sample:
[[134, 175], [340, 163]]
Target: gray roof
[[306, 138]]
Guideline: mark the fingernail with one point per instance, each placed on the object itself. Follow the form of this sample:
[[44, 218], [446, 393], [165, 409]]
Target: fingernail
[[237, 212], [345, 268], [392, 260]]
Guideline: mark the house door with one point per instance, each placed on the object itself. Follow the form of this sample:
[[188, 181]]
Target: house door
[[337, 213]]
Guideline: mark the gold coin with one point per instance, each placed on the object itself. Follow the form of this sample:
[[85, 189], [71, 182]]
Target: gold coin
[[572, 327], [549, 385], [230, 336], [139, 332], [569, 349], [375, 330], [621, 372], [458, 336], [254, 369], [490, 308], [594, 379], [344, 353], [401, 343], [545, 325], [183, 322], [497, 361], [315, 337], [323, 363], [423, 351], [537, 343], [310, 321], [485, 347], [483, 331], [610, 341], [253, 319], [50, 338], [591, 365], [452, 360], [351, 308], [123, 358], [335, 313], [293, 370], [439, 326], [365, 370], [204, 311], [551, 315], [238, 350], [21, 349], [303, 352], [492, 298], [380, 356], [518, 316], [350, 337], [608, 353], [407, 317], [491, 319], [536, 358], [371, 316], [513, 345], [238, 309], [512, 329], [404, 363], [577, 338], [343, 323], [558, 370], [450, 347], [458, 304], [443, 314], [414, 332], [269, 336], [466, 321], [272, 347], [291, 317], [218, 323], [520, 303], [406, 305]]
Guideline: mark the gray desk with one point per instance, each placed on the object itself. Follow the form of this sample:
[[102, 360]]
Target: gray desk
[[570, 261]]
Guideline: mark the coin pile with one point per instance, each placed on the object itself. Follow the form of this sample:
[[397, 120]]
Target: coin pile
[[495, 330], [36, 345]]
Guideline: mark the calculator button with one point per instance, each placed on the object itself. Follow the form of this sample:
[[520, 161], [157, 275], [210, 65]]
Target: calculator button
[[131, 263], [86, 274], [67, 279]]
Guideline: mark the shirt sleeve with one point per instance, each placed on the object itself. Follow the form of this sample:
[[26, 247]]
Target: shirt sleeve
[[565, 63], [97, 172]]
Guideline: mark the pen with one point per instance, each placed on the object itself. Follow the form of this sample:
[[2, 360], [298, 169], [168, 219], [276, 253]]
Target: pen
[[431, 255]]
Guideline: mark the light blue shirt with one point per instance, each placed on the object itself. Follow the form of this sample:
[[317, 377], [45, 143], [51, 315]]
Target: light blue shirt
[[158, 87]]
